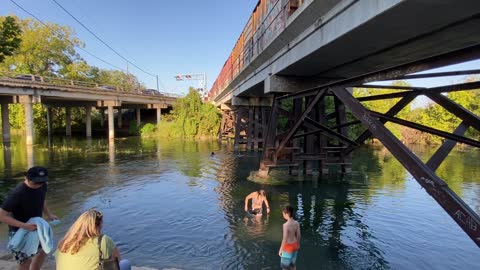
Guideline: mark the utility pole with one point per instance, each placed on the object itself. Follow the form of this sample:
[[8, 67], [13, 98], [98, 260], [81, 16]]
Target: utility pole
[[157, 85], [202, 77]]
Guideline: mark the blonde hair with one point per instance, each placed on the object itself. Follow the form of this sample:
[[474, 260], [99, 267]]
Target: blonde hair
[[86, 226]]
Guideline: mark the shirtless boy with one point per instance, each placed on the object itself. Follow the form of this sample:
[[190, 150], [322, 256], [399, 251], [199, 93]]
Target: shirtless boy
[[291, 240], [258, 198]]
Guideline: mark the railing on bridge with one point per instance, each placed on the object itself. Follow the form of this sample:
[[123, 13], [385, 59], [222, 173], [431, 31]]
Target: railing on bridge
[[43, 80], [269, 18]]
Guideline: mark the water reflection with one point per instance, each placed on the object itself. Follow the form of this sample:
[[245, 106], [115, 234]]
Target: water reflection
[[30, 156], [333, 234], [7, 160], [111, 153]]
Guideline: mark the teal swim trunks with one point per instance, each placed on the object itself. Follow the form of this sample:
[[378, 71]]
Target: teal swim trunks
[[288, 260]]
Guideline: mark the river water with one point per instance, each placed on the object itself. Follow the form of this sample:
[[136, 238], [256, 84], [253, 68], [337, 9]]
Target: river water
[[168, 203]]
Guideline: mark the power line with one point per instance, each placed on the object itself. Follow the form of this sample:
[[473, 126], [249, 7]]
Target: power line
[[75, 45], [104, 43]]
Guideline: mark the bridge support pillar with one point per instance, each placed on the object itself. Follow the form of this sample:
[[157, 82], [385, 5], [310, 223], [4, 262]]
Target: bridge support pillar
[[27, 102], [139, 119], [49, 122], [119, 118], [227, 125], [68, 121], [110, 104], [159, 115], [111, 125], [5, 123], [251, 121], [88, 121]]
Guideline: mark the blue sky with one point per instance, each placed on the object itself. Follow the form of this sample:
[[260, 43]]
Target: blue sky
[[162, 37]]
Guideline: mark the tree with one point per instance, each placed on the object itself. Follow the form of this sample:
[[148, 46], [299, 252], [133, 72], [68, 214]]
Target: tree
[[120, 79], [382, 106], [44, 50], [192, 118], [9, 37]]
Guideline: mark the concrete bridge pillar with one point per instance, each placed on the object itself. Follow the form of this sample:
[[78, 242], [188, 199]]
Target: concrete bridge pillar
[[68, 121], [110, 104], [27, 102], [49, 122], [119, 118], [138, 111], [111, 125], [88, 121], [159, 115], [5, 123]]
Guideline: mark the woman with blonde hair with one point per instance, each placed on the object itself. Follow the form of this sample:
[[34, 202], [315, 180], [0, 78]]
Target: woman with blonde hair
[[81, 249]]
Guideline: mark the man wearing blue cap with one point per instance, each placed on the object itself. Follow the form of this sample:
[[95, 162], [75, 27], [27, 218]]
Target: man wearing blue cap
[[25, 201]]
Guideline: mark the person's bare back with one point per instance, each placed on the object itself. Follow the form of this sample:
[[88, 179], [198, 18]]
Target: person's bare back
[[290, 241], [291, 230]]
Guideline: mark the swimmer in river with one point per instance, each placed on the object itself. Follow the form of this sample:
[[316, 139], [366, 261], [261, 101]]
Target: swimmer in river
[[258, 199]]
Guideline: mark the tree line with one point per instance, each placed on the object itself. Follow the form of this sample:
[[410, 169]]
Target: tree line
[[430, 115]]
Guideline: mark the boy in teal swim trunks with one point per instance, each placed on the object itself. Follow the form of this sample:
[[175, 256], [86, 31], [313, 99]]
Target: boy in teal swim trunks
[[291, 240]]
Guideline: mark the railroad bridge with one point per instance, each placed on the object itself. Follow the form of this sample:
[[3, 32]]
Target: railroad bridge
[[287, 85]]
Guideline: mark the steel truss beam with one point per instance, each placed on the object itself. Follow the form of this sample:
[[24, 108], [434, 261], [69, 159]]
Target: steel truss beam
[[308, 136], [308, 124], [463, 215], [437, 74], [425, 91], [250, 126], [423, 128], [298, 124], [447, 146]]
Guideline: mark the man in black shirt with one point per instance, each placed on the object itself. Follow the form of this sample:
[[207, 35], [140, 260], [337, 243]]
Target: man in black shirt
[[25, 201]]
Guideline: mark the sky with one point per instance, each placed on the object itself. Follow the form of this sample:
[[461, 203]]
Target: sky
[[162, 37]]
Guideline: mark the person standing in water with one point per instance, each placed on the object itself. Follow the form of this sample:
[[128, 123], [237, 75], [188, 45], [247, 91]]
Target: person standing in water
[[258, 198], [290, 241]]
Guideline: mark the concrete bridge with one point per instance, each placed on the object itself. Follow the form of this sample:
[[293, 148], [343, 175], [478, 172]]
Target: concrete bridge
[[55, 92], [287, 85]]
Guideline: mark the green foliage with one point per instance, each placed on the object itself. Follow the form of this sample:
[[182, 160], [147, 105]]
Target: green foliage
[[192, 118], [119, 79], [148, 129], [382, 106], [133, 128], [44, 50], [9, 37]]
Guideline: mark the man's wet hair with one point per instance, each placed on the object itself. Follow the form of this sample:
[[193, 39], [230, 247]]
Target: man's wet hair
[[287, 209]]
